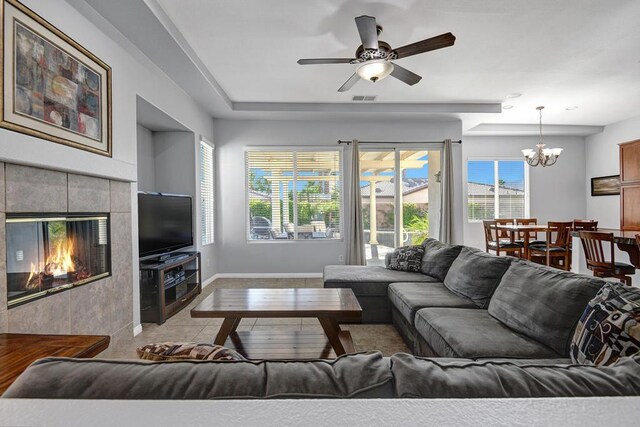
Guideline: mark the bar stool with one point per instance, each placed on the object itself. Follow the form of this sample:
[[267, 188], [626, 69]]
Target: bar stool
[[597, 261]]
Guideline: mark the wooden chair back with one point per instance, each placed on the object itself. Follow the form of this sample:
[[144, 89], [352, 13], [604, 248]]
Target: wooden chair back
[[529, 235], [585, 224], [504, 234], [490, 232], [592, 243], [561, 231]]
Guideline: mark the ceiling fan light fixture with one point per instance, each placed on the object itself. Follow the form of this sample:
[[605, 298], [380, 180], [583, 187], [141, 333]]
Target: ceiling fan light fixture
[[375, 71]]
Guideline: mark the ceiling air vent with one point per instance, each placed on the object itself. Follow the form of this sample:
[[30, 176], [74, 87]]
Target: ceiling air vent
[[363, 98]]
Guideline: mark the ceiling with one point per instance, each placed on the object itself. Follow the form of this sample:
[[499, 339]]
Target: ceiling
[[559, 54]]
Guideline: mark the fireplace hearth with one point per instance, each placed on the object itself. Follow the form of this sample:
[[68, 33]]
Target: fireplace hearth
[[48, 253]]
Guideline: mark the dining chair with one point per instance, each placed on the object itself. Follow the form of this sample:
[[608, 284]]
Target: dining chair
[[532, 236], [585, 224], [504, 235], [556, 247], [592, 243], [493, 242]]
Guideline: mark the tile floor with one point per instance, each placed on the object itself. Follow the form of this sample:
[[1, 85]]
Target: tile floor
[[182, 327]]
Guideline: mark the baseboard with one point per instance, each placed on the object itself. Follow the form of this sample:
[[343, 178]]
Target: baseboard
[[265, 276], [209, 281], [137, 330]]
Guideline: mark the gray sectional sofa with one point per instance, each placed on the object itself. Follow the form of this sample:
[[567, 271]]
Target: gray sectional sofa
[[469, 304], [491, 327]]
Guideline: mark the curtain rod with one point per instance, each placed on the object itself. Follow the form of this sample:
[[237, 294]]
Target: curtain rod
[[397, 142]]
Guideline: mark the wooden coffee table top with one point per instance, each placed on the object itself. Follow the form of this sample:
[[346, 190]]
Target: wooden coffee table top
[[294, 302], [18, 351]]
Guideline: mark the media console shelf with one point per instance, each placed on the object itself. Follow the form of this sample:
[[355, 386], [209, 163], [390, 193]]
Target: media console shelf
[[168, 285]]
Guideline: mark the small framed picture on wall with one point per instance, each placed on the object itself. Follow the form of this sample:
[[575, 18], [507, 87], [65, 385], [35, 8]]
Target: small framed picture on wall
[[605, 185], [53, 88]]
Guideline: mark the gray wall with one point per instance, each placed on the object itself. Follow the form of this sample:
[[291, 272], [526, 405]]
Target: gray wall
[[235, 254], [146, 160], [549, 187]]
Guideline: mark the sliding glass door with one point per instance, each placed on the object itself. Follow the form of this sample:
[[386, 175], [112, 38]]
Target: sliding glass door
[[400, 198]]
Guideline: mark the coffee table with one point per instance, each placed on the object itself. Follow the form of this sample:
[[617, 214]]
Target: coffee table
[[327, 305], [18, 351]]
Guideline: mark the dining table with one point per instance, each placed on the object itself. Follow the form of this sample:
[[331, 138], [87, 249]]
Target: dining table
[[512, 229]]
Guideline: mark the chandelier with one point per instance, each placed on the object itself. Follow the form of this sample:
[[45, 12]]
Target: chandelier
[[541, 156]]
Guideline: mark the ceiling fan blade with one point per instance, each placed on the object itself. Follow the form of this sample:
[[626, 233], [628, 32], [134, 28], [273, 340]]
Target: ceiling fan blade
[[349, 83], [324, 61], [437, 42], [405, 75], [368, 30]]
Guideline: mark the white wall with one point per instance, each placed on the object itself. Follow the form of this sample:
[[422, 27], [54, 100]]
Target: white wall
[[602, 160], [556, 192], [146, 160], [133, 74], [235, 254]]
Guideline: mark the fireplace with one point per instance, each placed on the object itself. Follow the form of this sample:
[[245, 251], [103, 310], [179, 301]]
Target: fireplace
[[48, 253]]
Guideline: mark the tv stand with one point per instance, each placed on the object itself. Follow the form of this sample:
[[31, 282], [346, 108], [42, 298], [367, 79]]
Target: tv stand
[[168, 284]]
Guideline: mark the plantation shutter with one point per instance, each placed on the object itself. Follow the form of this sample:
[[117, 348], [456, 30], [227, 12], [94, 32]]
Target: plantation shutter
[[206, 193], [293, 194]]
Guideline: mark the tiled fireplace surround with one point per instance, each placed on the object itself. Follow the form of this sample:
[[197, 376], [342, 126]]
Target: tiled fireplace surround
[[103, 307]]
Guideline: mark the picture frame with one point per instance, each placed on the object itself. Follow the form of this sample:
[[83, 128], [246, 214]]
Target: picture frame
[[605, 185], [52, 87]]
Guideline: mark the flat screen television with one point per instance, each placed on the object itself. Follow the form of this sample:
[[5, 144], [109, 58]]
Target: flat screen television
[[164, 223]]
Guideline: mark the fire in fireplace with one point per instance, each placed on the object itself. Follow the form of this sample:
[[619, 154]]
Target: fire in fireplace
[[50, 253]]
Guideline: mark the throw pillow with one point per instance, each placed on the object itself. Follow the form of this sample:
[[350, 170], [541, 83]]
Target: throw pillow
[[187, 351], [406, 258], [438, 258], [609, 327]]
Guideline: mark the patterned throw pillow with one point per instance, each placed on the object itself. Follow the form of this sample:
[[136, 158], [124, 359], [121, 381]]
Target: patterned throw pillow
[[609, 328], [186, 351], [406, 258]]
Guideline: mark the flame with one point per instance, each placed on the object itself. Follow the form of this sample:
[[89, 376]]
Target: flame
[[61, 259], [59, 263]]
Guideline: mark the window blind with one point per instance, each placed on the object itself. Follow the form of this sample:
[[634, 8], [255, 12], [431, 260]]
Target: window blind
[[294, 194], [206, 193]]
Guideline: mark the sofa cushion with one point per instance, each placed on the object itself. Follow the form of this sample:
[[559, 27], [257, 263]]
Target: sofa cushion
[[186, 351], [357, 375], [543, 303], [409, 297], [609, 327], [437, 258], [417, 377], [367, 280], [475, 275], [406, 258], [472, 333]]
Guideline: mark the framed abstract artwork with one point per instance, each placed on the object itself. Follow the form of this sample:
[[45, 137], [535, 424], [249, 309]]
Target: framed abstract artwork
[[605, 185], [53, 88]]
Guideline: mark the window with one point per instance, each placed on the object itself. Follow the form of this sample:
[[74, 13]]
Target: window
[[509, 177], [294, 194], [206, 193]]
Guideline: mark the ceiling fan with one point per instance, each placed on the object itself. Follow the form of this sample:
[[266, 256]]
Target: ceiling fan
[[376, 55]]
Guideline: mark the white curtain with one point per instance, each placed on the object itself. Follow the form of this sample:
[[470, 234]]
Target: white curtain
[[446, 193], [355, 243]]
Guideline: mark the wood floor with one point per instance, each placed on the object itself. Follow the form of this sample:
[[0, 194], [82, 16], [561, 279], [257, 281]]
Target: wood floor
[[182, 327]]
